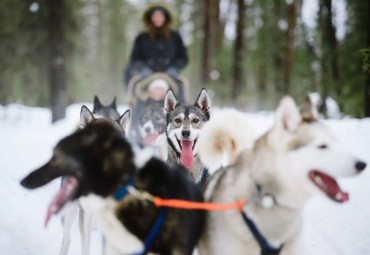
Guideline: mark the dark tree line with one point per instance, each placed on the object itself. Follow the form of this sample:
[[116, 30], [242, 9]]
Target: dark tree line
[[250, 53]]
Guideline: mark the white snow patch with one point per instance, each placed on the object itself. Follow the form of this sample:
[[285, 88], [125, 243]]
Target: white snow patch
[[27, 139]]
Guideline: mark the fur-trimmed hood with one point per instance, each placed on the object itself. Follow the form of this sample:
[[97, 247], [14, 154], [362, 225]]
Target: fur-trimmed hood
[[148, 11]]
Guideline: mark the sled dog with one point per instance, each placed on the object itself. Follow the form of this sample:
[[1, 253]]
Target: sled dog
[[184, 127], [120, 123], [107, 112], [224, 138], [98, 164], [297, 159], [152, 123]]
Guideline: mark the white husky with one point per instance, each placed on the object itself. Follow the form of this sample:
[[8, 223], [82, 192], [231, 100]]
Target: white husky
[[224, 138], [295, 160]]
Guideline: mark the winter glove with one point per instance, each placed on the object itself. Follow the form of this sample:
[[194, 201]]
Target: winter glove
[[172, 72], [145, 72]]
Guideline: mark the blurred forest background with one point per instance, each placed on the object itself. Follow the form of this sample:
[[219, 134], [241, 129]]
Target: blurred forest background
[[247, 53]]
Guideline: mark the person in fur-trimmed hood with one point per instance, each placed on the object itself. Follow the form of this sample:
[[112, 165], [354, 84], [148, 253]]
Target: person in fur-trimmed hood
[[158, 49]]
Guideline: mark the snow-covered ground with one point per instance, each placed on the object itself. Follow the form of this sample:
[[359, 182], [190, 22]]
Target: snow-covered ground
[[27, 139]]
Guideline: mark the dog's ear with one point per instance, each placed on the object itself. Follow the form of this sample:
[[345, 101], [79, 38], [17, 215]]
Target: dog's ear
[[170, 102], [203, 101], [97, 104], [308, 111], [114, 103], [85, 116], [287, 115], [124, 120]]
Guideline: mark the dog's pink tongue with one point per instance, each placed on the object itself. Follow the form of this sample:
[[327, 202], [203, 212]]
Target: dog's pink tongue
[[187, 157], [149, 139], [66, 191]]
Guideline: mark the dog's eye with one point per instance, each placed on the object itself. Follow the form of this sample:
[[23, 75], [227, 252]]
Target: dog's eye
[[195, 121], [177, 120], [323, 146]]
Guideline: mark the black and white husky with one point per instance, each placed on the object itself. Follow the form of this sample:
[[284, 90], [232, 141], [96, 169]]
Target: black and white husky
[[184, 126], [98, 163], [107, 114]]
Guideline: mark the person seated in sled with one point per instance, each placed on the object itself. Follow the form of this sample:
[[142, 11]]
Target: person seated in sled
[[158, 50]]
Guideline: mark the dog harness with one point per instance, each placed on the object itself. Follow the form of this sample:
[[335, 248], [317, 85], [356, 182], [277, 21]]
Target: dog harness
[[266, 247], [203, 178], [121, 193]]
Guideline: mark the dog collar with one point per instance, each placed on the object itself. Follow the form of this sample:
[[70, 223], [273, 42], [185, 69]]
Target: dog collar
[[204, 177], [122, 192], [173, 147], [266, 200]]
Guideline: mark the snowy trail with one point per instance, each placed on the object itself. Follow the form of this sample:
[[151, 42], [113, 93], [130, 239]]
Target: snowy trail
[[27, 140]]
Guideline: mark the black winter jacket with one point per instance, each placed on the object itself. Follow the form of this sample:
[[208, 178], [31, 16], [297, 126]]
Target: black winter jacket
[[159, 55]]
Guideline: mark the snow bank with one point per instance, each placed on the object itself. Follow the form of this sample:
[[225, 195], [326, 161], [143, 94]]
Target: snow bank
[[27, 139]]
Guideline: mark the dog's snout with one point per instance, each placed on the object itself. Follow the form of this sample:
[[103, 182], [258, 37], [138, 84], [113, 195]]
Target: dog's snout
[[185, 133], [148, 130], [360, 166]]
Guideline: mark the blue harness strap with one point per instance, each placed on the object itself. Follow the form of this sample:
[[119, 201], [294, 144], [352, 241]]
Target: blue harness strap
[[154, 232], [203, 179], [121, 192], [266, 247]]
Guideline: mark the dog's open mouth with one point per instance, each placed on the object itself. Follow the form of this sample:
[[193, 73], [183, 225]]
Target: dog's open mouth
[[187, 155], [150, 138], [329, 186], [67, 191]]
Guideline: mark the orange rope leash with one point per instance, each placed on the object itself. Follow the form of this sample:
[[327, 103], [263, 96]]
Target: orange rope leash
[[190, 205]]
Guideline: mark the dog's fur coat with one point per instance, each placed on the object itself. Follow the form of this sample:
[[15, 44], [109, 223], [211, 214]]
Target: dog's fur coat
[[184, 127], [101, 113], [295, 160], [97, 161]]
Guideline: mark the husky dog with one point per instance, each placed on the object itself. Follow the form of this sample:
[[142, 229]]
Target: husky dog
[[107, 112], [120, 123], [184, 125], [219, 140], [152, 122], [295, 160], [97, 161]]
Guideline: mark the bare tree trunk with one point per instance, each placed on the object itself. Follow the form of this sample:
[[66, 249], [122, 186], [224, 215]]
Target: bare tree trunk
[[57, 70], [367, 85], [261, 78], [333, 47], [238, 53], [323, 55], [206, 41], [289, 46], [367, 95], [218, 28]]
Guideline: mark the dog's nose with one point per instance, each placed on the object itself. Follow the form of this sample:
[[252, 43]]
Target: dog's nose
[[360, 166], [185, 133], [148, 130]]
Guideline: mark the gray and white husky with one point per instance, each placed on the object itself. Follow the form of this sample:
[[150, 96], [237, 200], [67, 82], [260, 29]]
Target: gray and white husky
[[107, 114], [297, 159], [184, 125], [105, 111]]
